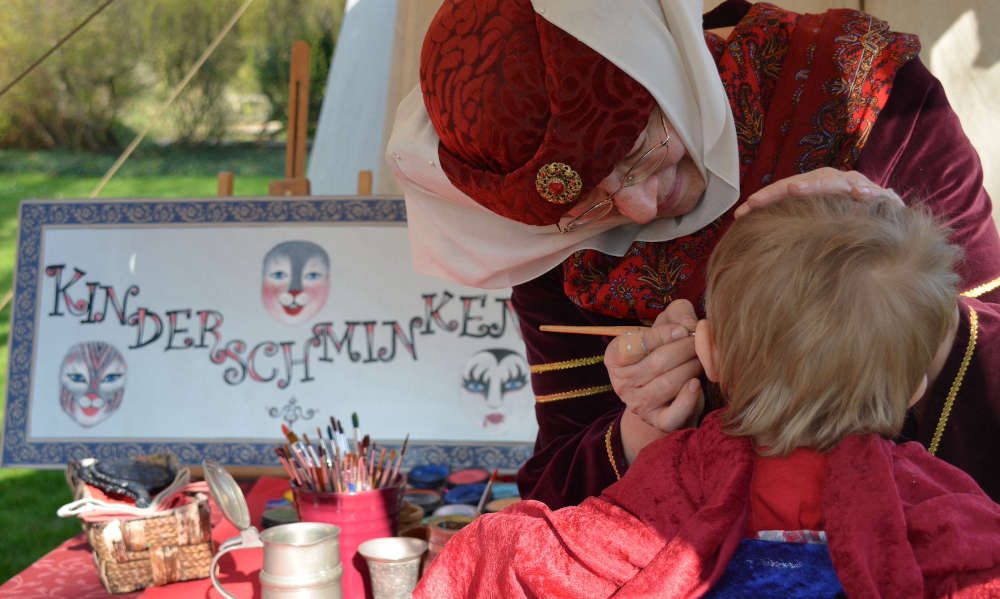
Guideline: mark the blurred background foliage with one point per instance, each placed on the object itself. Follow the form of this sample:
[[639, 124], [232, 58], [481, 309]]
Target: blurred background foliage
[[110, 79], [62, 126]]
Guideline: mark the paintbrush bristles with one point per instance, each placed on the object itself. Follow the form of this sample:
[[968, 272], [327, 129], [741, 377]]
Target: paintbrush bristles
[[331, 464]]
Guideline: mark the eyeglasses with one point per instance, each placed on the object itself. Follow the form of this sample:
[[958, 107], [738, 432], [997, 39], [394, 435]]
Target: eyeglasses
[[640, 170]]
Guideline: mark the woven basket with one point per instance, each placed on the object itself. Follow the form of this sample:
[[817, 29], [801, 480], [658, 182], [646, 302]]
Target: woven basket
[[169, 547]]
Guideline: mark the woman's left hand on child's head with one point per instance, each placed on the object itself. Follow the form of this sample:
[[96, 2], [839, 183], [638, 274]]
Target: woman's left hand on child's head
[[825, 180]]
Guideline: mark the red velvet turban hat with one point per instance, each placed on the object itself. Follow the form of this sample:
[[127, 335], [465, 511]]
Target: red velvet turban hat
[[529, 118]]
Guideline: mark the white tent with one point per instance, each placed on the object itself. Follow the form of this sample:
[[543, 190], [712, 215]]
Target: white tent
[[373, 67]]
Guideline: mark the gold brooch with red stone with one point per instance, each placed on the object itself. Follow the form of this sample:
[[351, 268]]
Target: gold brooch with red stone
[[558, 183]]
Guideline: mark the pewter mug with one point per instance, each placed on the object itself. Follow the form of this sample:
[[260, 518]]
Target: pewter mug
[[301, 560]]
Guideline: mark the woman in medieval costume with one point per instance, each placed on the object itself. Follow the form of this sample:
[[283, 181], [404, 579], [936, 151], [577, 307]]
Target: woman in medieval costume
[[589, 153]]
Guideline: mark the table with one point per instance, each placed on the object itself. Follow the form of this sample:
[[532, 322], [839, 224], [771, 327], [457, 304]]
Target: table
[[68, 571]]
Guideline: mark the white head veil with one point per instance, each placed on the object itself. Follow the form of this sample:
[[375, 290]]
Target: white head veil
[[660, 44]]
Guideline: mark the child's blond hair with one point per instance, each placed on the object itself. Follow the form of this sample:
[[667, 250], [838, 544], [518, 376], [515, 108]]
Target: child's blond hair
[[826, 313]]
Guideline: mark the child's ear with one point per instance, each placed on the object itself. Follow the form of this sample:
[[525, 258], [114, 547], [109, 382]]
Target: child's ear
[[704, 346], [921, 389]]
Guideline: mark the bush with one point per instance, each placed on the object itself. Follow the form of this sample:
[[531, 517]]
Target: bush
[[268, 31], [124, 63], [75, 97], [177, 33]]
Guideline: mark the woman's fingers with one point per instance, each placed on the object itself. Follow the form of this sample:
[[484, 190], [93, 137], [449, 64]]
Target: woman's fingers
[[821, 180], [683, 412], [678, 312], [632, 348], [675, 322], [659, 390]]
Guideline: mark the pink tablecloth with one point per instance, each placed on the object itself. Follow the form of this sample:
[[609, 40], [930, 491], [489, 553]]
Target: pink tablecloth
[[68, 571]]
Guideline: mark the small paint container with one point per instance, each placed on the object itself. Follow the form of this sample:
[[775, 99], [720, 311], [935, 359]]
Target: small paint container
[[504, 490], [410, 515], [498, 504], [456, 509], [277, 516], [467, 494], [428, 499], [428, 476], [469, 476], [440, 530]]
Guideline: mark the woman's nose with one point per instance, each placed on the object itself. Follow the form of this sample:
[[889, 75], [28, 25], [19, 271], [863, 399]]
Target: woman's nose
[[638, 202]]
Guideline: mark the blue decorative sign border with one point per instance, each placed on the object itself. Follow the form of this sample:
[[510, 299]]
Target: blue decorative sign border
[[35, 215]]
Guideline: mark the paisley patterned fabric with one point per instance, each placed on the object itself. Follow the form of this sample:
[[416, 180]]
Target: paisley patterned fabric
[[819, 114], [509, 93]]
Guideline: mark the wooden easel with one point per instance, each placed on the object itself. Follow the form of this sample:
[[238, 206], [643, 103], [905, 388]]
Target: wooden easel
[[295, 182]]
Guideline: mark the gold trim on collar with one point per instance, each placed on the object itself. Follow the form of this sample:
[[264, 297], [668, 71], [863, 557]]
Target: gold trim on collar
[[566, 364], [611, 454], [584, 392], [949, 401], [982, 289]]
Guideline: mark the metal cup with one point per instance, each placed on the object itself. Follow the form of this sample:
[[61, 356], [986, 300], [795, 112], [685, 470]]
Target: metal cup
[[301, 560], [394, 565]]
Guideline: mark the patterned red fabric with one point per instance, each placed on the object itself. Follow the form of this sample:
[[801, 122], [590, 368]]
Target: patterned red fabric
[[509, 92], [904, 525], [822, 117]]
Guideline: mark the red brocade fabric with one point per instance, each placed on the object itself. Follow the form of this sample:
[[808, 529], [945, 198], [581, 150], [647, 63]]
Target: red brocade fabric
[[509, 93], [904, 525], [796, 109], [916, 147]]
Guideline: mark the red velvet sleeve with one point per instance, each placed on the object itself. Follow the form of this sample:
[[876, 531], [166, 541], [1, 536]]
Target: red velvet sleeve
[[578, 451], [918, 148]]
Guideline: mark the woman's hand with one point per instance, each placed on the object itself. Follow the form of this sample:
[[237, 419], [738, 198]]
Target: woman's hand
[[655, 373], [821, 180]]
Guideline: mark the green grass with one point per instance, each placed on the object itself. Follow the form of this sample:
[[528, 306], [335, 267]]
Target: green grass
[[29, 498]]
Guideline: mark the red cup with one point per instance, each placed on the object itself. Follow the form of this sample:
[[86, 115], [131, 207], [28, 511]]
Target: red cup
[[360, 517]]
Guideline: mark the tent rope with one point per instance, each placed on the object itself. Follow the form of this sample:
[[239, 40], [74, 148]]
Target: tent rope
[[173, 96], [62, 41]]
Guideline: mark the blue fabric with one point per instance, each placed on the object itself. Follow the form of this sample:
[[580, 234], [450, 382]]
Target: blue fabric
[[772, 569]]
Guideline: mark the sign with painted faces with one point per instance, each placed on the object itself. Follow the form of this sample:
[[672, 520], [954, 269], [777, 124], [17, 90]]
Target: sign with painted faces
[[202, 326]]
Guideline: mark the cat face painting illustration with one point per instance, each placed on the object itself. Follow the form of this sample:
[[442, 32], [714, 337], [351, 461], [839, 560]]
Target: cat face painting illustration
[[495, 389], [295, 281], [91, 382]]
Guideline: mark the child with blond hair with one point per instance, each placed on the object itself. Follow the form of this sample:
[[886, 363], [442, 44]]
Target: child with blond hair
[[823, 316]]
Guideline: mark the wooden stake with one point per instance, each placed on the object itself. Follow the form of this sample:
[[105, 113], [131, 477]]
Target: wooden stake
[[364, 183], [226, 184]]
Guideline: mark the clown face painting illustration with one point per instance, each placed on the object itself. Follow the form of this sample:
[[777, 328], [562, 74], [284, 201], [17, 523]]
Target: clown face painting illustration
[[91, 382], [295, 281], [495, 389]]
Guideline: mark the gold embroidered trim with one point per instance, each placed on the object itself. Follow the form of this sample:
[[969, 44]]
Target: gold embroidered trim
[[584, 392], [611, 454], [957, 383], [982, 289], [566, 364]]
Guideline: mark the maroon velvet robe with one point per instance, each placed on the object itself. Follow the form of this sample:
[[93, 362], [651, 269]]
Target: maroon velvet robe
[[905, 525], [916, 147]]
